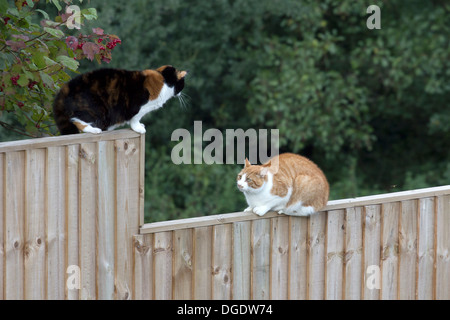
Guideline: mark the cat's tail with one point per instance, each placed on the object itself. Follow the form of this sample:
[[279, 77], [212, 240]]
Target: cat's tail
[[62, 119]]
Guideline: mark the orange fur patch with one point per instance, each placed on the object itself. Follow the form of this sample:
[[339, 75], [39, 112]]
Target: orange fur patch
[[154, 82], [181, 75], [79, 125], [161, 69]]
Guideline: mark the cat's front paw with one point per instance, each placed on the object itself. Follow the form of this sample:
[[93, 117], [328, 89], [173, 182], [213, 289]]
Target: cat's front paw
[[249, 209], [260, 211], [90, 129], [138, 127]]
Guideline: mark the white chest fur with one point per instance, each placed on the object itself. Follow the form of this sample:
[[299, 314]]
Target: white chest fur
[[262, 200], [165, 94]]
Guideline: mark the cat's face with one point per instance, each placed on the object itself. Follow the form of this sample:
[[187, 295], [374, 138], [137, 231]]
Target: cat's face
[[251, 178], [173, 78]]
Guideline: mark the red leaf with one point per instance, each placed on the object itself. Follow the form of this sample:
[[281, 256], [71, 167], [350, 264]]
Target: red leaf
[[72, 42], [90, 49], [98, 31], [21, 36], [16, 45]]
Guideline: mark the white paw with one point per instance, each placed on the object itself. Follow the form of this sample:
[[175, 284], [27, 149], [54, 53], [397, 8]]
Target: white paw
[[90, 129], [249, 209], [281, 212], [260, 211], [138, 127]]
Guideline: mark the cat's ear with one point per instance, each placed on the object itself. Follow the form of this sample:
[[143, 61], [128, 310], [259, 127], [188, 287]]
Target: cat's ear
[[264, 171], [268, 164], [247, 163], [181, 74]]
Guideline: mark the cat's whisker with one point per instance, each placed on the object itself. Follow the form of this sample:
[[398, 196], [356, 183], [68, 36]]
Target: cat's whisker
[[182, 99]]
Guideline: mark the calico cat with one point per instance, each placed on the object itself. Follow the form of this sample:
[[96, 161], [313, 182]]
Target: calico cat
[[107, 98], [288, 183]]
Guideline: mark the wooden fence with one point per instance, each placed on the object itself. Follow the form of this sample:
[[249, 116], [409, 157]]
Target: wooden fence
[[73, 206], [390, 246], [70, 201]]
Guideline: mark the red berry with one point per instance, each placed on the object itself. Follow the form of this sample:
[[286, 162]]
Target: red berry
[[6, 20], [20, 104], [100, 40]]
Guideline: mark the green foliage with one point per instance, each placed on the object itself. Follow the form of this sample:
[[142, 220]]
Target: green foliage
[[36, 56]]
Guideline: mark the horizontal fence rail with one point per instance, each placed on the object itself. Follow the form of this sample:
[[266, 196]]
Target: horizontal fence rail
[[390, 246], [69, 207]]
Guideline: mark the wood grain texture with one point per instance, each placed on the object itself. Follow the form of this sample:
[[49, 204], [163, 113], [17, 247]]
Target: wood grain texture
[[143, 267], [335, 255], [260, 259], [443, 248], [279, 258], [390, 250], [88, 220], [127, 212], [298, 258], [241, 260], [35, 240], [182, 264], [2, 227], [163, 256], [56, 222], [73, 223], [353, 273], [425, 250], [202, 263], [221, 262], [14, 225], [317, 261], [106, 219], [372, 252]]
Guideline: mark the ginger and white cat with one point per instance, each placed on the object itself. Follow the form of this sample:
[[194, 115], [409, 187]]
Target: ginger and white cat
[[288, 183]]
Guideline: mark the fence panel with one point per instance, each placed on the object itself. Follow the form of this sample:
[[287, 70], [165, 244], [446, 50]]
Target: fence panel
[[379, 247], [65, 202]]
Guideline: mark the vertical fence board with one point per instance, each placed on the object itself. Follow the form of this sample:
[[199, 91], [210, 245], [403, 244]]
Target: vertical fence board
[[372, 246], [128, 212], [316, 274], [426, 249], [143, 267], [182, 267], [408, 250], [73, 208], [163, 265], [88, 213], [279, 258], [443, 248], [241, 261], [56, 223], [353, 253], [335, 255], [202, 263], [389, 250], [2, 217], [14, 224], [260, 250], [106, 219], [34, 260], [298, 258], [221, 263]]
